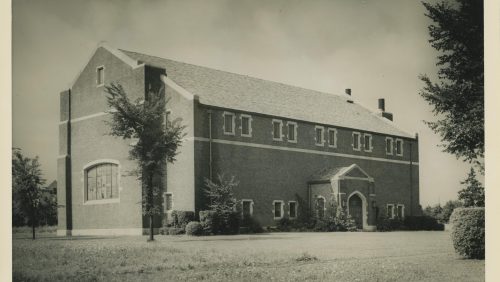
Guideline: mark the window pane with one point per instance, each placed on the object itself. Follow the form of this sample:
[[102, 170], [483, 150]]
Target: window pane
[[331, 138], [245, 122], [399, 146], [91, 184], [388, 145], [114, 181], [277, 209], [355, 140], [100, 75], [293, 211], [276, 130], [228, 123], [367, 142], [291, 132], [319, 135]]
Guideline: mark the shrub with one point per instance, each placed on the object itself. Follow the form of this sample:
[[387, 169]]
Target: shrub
[[468, 232], [422, 223], [207, 222], [171, 231], [343, 222], [194, 228], [284, 224], [251, 225], [214, 222], [181, 218], [322, 225]]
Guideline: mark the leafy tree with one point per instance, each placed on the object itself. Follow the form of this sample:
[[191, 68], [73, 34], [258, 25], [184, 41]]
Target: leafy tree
[[27, 182], [158, 139], [447, 210], [473, 194], [458, 97], [223, 203]]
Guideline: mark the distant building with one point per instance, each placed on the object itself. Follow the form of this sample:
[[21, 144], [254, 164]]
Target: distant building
[[287, 146]]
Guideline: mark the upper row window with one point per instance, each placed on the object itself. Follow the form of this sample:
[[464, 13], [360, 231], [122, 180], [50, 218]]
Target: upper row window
[[389, 146], [230, 124], [100, 76]]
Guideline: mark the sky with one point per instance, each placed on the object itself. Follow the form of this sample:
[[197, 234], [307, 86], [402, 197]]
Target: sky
[[376, 48]]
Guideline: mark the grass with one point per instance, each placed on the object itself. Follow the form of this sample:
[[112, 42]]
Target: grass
[[359, 256]]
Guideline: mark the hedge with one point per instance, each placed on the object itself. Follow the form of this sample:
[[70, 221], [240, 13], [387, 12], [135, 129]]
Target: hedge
[[468, 232]]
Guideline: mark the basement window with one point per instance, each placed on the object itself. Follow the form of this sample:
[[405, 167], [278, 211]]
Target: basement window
[[278, 209]]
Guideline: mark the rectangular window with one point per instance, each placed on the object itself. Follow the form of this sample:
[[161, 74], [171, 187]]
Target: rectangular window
[[368, 142], [277, 128], [100, 76], [228, 123], [246, 125], [401, 211], [389, 145], [319, 135], [399, 147], [390, 211], [332, 138], [356, 141], [246, 208], [292, 209], [278, 209], [168, 201], [292, 131]]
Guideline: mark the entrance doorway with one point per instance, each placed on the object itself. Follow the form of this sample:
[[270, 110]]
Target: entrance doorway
[[356, 210]]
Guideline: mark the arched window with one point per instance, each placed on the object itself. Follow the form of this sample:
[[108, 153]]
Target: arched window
[[101, 182]]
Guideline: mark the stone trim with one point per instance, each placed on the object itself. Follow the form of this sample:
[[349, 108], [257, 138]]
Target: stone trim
[[233, 127], [295, 127], [273, 121], [282, 209], [249, 125]]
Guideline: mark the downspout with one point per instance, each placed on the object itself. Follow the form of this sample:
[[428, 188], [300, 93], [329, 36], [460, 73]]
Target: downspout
[[411, 179], [210, 144]]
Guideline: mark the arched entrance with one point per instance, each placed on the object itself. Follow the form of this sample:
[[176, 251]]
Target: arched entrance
[[356, 210]]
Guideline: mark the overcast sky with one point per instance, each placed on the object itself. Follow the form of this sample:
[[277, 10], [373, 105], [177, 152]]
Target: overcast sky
[[377, 48]]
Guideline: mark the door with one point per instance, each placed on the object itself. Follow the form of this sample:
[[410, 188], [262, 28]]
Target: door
[[356, 210]]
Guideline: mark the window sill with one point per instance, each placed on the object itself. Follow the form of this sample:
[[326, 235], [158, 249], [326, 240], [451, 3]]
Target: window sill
[[101, 202]]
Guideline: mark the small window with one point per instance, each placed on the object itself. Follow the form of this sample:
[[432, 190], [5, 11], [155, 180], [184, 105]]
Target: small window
[[228, 123], [246, 208], [401, 211], [101, 182], [278, 209], [292, 209], [332, 138], [319, 135], [389, 145], [399, 147], [320, 207], [292, 131], [100, 76], [246, 125], [390, 211], [168, 201], [277, 128], [368, 142], [356, 141]]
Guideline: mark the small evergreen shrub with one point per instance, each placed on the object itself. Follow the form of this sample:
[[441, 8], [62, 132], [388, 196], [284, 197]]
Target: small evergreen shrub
[[250, 225], [343, 222], [468, 232], [194, 228], [207, 222]]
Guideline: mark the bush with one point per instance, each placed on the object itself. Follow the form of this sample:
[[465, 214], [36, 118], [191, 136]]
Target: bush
[[213, 222], [251, 225], [194, 228], [284, 224], [171, 231], [343, 222], [180, 218], [468, 232], [422, 223]]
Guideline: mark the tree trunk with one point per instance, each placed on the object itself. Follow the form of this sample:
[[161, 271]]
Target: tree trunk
[[151, 236], [33, 229], [33, 222]]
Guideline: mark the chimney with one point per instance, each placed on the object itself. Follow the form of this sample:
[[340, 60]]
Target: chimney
[[381, 104], [383, 113], [348, 91]]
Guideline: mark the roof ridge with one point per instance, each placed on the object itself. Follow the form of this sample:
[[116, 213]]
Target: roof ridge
[[234, 73]]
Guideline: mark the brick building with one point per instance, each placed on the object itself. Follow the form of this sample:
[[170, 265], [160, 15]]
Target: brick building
[[287, 146]]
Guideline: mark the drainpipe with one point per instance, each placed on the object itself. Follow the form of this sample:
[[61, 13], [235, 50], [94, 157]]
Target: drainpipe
[[210, 144], [411, 179]]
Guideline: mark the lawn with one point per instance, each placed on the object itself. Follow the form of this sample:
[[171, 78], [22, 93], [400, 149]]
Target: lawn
[[359, 256]]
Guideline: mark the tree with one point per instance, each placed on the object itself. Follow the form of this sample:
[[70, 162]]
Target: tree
[[458, 97], [448, 210], [223, 203], [27, 182], [473, 194], [158, 139]]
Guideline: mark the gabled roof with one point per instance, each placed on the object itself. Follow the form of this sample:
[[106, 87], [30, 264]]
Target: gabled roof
[[245, 93]]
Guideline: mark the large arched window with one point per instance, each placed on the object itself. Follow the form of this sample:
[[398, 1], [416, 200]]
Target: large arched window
[[101, 181]]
